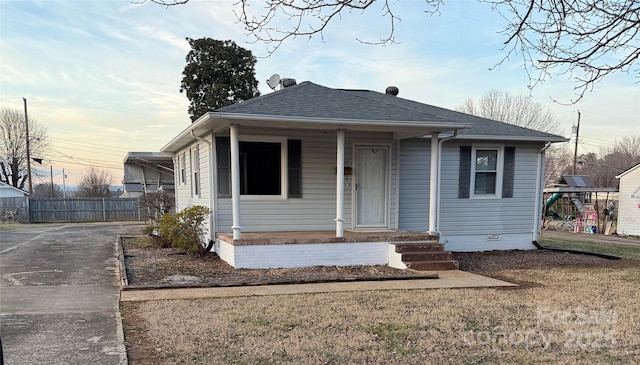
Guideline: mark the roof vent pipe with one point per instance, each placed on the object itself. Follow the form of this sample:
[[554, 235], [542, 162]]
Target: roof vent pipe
[[392, 90], [287, 82]]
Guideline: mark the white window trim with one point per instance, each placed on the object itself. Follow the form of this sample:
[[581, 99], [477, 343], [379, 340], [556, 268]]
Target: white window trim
[[183, 167], [190, 171], [197, 177], [499, 172], [284, 170]]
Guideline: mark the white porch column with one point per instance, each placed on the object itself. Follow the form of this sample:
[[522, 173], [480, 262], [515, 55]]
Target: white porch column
[[235, 181], [340, 186], [434, 181]]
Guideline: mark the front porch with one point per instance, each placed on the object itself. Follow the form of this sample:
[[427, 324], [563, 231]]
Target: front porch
[[399, 249]]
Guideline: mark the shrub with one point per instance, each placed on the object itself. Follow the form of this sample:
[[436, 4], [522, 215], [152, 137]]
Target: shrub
[[185, 229]]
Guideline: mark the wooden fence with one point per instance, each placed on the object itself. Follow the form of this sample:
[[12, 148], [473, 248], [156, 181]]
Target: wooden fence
[[45, 210], [15, 204]]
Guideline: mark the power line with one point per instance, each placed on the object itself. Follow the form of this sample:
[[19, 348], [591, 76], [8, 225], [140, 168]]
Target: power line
[[111, 147], [88, 162], [93, 151]]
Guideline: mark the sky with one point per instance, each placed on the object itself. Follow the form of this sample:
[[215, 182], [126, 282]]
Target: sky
[[103, 77]]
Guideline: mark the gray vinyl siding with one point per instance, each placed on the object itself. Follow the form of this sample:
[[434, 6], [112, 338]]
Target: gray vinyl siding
[[467, 216], [415, 165], [493, 215], [316, 210]]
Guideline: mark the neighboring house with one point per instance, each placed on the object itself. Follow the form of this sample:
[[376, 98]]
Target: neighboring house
[[14, 204], [146, 172], [629, 202], [312, 158], [8, 191]]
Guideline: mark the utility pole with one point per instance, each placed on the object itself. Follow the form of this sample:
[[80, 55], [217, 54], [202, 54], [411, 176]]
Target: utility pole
[[26, 123], [575, 150], [52, 193], [64, 185]]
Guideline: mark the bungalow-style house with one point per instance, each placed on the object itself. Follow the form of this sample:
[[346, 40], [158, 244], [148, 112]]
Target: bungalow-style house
[[629, 202], [310, 176]]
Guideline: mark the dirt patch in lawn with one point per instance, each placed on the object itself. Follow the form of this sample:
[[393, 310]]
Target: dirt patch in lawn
[[150, 265]]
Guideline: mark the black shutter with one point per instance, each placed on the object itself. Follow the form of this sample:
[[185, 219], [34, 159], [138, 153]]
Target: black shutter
[[464, 181], [508, 172], [223, 162], [295, 168]]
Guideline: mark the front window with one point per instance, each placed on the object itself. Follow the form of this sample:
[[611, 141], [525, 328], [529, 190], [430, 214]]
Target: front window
[[486, 173], [260, 168], [270, 167]]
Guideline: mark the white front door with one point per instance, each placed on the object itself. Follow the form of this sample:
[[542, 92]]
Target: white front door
[[371, 186]]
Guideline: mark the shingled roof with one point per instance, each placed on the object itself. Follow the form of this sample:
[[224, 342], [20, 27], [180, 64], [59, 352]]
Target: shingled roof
[[312, 106], [309, 100]]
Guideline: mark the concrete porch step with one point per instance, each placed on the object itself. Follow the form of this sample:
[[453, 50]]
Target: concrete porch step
[[419, 246], [433, 265], [427, 256]]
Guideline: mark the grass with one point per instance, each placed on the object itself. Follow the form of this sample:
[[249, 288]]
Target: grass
[[572, 315], [626, 251], [140, 242]]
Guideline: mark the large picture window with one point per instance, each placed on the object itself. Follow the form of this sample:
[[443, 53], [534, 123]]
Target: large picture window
[[269, 167], [260, 168]]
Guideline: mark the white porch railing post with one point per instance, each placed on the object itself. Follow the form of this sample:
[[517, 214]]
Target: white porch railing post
[[434, 181], [340, 185], [235, 181]]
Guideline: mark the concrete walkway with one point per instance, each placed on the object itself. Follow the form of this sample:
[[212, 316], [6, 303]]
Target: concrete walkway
[[59, 293], [448, 279]]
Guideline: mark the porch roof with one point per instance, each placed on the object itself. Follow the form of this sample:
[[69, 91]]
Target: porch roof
[[315, 107]]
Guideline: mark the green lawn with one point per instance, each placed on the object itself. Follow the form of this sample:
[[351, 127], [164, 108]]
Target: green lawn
[[621, 250]]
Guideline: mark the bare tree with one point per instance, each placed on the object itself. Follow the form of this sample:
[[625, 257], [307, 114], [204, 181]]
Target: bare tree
[[585, 39], [619, 157], [13, 146], [156, 204], [46, 190], [94, 184], [512, 109], [557, 160], [609, 162]]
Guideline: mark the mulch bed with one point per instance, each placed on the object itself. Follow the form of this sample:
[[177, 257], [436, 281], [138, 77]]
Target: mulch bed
[[150, 266]]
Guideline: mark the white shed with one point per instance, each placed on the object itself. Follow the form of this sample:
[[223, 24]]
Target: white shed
[[8, 191], [629, 202]]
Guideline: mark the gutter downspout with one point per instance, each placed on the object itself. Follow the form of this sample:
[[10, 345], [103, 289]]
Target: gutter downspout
[[440, 142], [540, 181], [212, 226]]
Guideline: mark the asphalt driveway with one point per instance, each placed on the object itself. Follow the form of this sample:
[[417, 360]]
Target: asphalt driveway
[[59, 293]]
